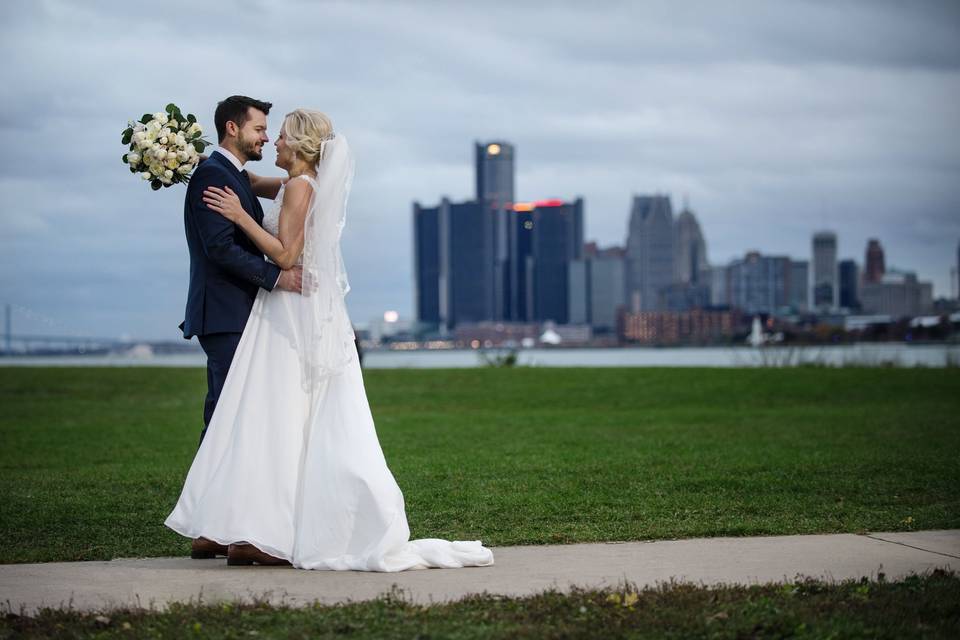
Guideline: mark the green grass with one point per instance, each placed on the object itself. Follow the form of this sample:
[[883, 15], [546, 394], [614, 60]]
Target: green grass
[[92, 460], [919, 606]]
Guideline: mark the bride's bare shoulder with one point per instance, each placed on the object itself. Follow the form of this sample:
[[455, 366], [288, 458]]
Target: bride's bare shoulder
[[296, 193]]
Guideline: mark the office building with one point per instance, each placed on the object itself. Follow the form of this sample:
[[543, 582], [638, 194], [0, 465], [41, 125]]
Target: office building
[[544, 237], [875, 265], [684, 296], [897, 295], [649, 251], [826, 290], [690, 250], [494, 173], [596, 282], [760, 284], [799, 296], [426, 265], [688, 327], [849, 276], [718, 280], [453, 263]]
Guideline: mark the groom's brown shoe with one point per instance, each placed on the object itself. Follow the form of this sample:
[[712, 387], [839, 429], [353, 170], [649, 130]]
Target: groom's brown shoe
[[204, 549], [246, 554]]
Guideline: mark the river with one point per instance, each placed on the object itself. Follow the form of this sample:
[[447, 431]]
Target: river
[[868, 354]]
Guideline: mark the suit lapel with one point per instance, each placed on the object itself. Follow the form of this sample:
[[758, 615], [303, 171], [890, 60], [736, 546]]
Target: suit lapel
[[255, 210]]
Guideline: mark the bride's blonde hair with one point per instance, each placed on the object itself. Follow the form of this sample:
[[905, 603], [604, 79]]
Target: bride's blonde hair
[[306, 131]]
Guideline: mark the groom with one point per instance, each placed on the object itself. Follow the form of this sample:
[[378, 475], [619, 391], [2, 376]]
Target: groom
[[226, 268]]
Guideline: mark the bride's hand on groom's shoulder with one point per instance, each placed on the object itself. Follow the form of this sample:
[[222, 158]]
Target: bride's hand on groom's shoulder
[[225, 202]]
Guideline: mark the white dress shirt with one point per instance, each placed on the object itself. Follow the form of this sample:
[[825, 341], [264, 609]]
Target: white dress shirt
[[234, 160]]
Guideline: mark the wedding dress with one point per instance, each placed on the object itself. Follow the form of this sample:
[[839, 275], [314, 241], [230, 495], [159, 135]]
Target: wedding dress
[[291, 462]]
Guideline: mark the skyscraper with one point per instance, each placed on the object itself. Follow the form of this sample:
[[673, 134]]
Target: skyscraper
[[453, 263], [466, 263], [492, 258], [874, 263], [518, 288], [426, 264], [494, 173], [690, 249], [650, 244], [719, 282], [596, 288], [849, 285], [799, 295], [545, 237], [760, 284], [494, 167], [826, 292]]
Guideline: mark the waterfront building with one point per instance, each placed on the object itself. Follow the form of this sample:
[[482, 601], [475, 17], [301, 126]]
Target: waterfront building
[[798, 297], [649, 251], [826, 292], [493, 259], [684, 296], [544, 237], [690, 249], [849, 275], [596, 283], [898, 295], [719, 286], [453, 263], [698, 326], [875, 266], [760, 284], [426, 266], [494, 173]]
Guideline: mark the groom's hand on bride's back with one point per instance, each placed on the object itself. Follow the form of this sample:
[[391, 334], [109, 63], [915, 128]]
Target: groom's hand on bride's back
[[291, 280]]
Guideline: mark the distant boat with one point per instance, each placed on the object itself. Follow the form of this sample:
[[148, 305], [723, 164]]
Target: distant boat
[[140, 351], [756, 337], [550, 337]]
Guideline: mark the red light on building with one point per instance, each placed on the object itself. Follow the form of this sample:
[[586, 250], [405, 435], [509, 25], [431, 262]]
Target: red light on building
[[538, 204], [553, 202]]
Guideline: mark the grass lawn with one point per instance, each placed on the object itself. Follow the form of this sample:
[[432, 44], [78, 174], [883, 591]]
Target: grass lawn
[[92, 459], [919, 606]]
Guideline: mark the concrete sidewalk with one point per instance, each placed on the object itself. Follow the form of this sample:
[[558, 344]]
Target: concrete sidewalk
[[518, 571]]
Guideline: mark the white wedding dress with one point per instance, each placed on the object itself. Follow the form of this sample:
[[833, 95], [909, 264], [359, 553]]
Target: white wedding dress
[[291, 462]]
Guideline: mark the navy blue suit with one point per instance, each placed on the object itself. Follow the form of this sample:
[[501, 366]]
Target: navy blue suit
[[226, 271]]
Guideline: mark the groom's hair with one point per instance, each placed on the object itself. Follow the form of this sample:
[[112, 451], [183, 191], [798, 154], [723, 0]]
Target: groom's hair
[[234, 109]]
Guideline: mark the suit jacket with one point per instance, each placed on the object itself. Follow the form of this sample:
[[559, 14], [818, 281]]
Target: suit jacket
[[226, 267]]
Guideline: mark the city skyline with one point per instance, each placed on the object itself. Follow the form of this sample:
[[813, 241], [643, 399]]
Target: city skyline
[[489, 261], [776, 122]]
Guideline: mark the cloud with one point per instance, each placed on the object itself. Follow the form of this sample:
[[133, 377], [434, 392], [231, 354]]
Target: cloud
[[774, 119]]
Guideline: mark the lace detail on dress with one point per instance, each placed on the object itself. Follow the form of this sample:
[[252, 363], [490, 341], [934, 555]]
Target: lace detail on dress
[[271, 219]]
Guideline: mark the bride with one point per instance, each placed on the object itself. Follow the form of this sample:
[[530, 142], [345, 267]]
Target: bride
[[291, 470]]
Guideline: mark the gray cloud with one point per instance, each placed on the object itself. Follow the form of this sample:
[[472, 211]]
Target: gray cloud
[[775, 119]]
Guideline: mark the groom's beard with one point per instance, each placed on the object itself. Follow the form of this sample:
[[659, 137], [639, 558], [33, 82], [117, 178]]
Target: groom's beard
[[250, 148]]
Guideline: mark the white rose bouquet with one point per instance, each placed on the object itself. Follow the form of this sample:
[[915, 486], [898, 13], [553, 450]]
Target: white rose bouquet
[[165, 147]]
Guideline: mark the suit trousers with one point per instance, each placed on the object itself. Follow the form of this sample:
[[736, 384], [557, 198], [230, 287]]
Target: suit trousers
[[220, 349]]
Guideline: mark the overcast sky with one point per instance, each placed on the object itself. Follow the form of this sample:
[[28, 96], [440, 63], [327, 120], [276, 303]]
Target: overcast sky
[[775, 119]]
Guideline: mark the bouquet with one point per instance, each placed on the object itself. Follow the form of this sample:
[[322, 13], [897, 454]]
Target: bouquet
[[165, 147]]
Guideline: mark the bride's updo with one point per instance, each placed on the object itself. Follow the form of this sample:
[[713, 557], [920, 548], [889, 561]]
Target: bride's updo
[[306, 130]]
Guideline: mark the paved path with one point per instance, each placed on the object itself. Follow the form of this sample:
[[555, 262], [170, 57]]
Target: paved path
[[518, 571]]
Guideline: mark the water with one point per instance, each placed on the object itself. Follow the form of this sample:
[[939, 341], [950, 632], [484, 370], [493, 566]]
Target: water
[[871, 355]]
